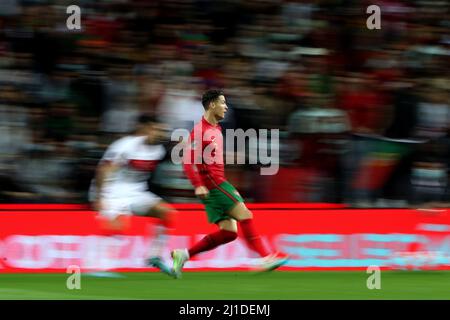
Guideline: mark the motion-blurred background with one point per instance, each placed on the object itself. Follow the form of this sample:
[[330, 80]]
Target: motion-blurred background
[[364, 114]]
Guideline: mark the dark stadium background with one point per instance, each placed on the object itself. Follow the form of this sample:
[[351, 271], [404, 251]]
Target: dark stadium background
[[309, 68], [364, 120]]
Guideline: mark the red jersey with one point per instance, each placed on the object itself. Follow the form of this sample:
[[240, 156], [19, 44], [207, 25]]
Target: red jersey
[[203, 158]]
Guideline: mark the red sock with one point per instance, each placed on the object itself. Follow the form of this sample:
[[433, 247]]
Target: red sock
[[212, 240], [252, 238]]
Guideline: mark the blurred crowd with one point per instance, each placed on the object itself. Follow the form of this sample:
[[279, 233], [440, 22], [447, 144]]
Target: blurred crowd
[[363, 114]]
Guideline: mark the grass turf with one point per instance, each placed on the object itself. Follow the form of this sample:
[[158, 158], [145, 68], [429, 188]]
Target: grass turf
[[276, 285]]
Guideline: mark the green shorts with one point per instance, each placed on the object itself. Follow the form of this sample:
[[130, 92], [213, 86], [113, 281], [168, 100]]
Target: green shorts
[[220, 201]]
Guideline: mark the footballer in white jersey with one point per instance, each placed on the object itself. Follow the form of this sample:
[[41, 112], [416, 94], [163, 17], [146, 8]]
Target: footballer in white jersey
[[124, 190], [120, 187]]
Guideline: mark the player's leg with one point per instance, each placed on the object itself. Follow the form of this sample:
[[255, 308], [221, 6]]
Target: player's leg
[[227, 232], [112, 229], [215, 205], [114, 225], [240, 212], [165, 213], [251, 236], [113, 220], [150, 205], [232, 205]]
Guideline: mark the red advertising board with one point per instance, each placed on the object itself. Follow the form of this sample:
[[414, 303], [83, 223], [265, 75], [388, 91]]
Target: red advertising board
[[49, 239]]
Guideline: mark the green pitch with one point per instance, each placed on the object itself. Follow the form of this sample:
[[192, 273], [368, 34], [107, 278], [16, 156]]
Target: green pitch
[[231, 285]]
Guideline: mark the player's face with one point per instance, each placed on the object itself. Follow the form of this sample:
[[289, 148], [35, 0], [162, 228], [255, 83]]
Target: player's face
[[220, 107], [156, 132]]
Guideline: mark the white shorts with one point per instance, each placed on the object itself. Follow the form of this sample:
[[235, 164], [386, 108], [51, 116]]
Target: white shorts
[[138, 203]]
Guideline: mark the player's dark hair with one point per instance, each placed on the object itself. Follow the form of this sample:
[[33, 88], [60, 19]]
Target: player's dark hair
[[145, 118], [209, 96]]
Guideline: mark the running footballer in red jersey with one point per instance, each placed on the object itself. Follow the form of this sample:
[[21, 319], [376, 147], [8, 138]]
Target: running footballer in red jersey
[[204, 166]]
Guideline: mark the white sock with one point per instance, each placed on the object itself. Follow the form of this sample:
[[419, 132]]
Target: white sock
[[109, 253], [159, 241]]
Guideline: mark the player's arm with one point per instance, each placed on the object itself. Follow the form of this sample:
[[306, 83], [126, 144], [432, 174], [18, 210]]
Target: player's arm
[[191, 154], [104, 170], [111, 162]]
